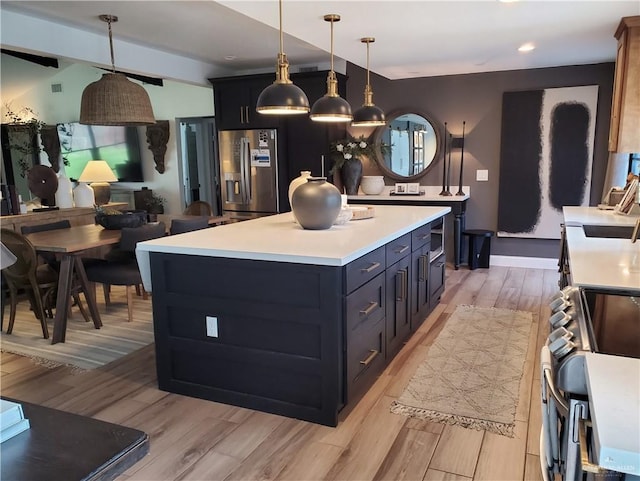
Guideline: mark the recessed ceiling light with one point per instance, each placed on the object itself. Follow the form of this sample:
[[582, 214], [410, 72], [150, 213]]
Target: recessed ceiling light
[[507, 1], [526, 47], [230, 57]]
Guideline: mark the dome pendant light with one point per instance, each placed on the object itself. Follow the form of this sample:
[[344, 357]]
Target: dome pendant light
[[114, 99], [282, 97], [331, 107], [368, 115]]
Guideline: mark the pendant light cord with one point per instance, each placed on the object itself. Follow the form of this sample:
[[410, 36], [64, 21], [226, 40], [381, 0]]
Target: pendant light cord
[[281, 32], [113, 65], [332, 45], [368, 82]]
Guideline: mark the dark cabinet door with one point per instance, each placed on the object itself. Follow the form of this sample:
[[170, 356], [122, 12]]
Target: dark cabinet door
[[436, 280], [308, 141], [398, 307], [419, 286], [235, 103]]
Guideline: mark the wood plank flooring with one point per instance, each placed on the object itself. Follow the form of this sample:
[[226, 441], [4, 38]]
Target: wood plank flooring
[[193, 439]]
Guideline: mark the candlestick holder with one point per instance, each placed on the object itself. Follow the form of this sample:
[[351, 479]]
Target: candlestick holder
[[460, 191], [445, 174]]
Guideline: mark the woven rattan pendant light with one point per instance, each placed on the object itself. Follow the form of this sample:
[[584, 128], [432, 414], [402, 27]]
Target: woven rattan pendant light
[[114, 99], [368, 115], [331, 107], [282, 97]]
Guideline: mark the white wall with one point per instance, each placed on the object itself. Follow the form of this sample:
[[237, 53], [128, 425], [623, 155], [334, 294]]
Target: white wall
[[169, 102]]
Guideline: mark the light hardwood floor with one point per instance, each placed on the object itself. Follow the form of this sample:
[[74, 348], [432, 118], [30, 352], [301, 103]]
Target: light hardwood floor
[[193, 439]]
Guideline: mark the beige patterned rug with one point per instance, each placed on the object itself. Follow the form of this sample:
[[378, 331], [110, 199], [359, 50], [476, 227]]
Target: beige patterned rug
[[471, 375]]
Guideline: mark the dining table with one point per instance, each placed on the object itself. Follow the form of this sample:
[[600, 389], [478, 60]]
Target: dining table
[[69, 244]]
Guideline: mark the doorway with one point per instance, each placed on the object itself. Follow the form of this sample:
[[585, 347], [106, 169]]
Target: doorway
[[198, 161]]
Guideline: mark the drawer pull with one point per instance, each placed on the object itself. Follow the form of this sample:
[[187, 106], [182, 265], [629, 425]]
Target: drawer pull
[[401, 250], [439, 264], [372, 267], [372, 355], [370, 308], [424, 236]]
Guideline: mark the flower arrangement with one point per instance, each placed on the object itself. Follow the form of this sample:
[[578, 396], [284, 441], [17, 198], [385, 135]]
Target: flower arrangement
[[349, 148]]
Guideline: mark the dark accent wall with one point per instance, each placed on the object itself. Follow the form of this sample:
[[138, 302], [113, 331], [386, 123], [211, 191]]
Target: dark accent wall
[[477, 99]]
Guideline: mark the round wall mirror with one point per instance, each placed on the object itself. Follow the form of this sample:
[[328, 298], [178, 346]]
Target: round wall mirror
[[415, 144]]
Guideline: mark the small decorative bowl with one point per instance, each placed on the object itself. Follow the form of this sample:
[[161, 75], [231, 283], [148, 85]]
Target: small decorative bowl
[[128, 218]]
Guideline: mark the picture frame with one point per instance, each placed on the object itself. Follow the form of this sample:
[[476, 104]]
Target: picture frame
[[401, 188], [413, 188]]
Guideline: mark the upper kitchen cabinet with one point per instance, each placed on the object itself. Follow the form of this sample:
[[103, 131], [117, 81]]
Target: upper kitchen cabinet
[[309, 140], [235, 102], [624, 134]]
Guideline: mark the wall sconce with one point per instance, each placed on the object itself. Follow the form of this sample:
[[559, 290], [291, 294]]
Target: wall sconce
[[99, 174]]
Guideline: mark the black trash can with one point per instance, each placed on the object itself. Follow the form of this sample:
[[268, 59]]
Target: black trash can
[[479, 247]]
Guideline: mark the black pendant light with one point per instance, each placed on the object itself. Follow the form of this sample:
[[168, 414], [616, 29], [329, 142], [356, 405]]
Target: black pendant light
[[331, 107], [282, 97], [114, 99], [368, 115]]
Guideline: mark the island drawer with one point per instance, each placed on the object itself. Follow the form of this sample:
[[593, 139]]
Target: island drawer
[[365, 359], [364, 269], [420, 236], [365, 305], [398, 248]]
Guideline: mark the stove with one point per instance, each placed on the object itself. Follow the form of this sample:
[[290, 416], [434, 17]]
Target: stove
[[581, 321]]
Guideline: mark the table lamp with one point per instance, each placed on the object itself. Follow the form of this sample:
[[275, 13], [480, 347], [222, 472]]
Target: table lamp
[[99, 174]]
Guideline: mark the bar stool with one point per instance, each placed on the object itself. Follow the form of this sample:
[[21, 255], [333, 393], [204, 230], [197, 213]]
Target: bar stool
[[479, 247]]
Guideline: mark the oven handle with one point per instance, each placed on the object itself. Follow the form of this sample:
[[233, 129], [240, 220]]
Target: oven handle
[[548, 384]]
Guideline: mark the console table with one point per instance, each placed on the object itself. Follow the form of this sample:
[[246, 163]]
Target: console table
[[70, 447], [431, 197]]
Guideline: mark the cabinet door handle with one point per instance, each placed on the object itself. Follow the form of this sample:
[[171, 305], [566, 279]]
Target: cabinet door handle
[[246, 115], [372, 267], [440, 264], [241, 115], [401, 250], [401, 285], [422, 268], [369, 359], [369, 309]]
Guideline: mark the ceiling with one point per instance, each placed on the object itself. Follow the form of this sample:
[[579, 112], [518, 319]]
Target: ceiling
[[413, 38]]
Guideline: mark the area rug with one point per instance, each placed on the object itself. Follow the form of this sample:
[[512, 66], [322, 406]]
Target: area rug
[[85, 347], [471, 375]]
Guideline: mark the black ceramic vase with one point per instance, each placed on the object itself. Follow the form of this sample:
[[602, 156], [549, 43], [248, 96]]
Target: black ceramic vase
[[316, 204], [351, 175]]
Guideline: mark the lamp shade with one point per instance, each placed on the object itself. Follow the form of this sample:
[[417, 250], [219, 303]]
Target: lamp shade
[[368, 116], [115, 100], [97, 171], [331, 109], [282, 99]]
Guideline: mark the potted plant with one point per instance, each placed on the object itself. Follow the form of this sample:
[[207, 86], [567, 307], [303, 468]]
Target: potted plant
[[24, 136], [155, 206], [346, 154]]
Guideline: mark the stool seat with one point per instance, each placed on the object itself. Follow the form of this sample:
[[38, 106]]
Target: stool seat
[[479, 247]]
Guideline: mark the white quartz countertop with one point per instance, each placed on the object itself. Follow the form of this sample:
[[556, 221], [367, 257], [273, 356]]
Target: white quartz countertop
[[279, 238], [614, 398], [578, 216], [597, 262], [431, 194]]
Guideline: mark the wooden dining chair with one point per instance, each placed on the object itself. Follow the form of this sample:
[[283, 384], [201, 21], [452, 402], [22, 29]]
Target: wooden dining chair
[[199, 207], [124, 270], [180, 226], [39, 282]]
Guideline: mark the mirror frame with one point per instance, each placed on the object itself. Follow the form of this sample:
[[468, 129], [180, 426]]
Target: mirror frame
[[376, 137]]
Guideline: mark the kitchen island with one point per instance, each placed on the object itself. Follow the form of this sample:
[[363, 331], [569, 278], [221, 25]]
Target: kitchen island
[[266, 315], [429, 195]]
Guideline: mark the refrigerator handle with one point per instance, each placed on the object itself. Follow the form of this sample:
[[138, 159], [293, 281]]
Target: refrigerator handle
[[245, 170]]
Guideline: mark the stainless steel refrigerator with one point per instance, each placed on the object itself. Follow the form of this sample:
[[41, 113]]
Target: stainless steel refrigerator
[[249, 172]]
